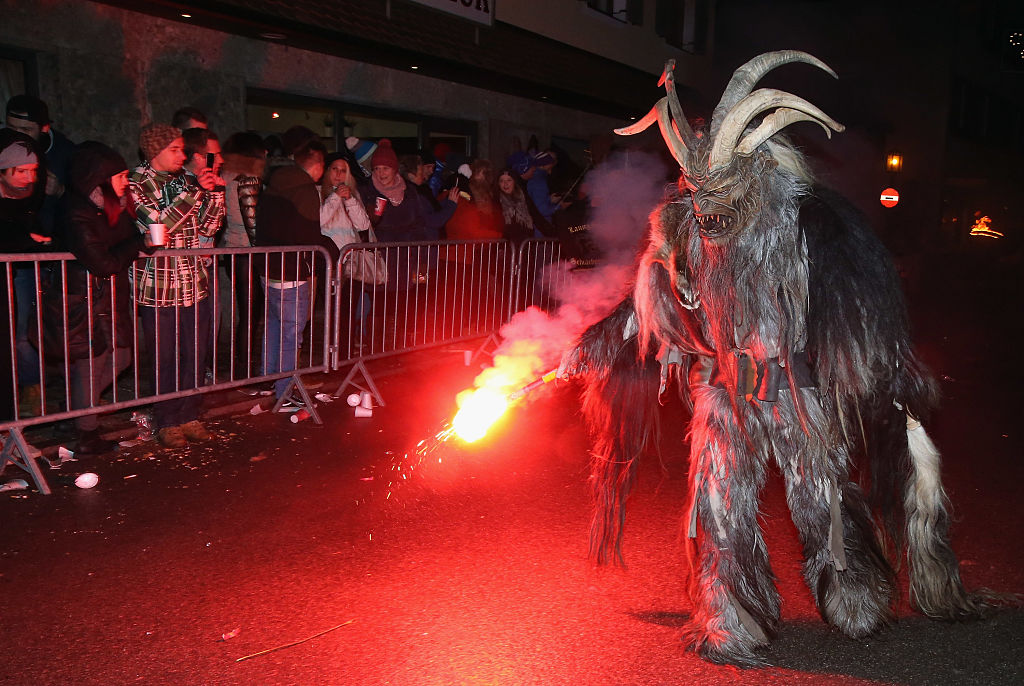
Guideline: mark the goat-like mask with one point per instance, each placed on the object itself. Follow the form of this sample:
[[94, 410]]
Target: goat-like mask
[[723, 168]]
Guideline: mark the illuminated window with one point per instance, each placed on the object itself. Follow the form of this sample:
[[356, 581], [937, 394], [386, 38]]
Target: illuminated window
[[271, 114]]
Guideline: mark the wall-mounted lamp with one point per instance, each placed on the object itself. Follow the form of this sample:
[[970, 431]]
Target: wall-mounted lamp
[[893, 162]]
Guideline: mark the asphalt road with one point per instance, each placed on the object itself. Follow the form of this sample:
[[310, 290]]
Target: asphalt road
[[468, 566]]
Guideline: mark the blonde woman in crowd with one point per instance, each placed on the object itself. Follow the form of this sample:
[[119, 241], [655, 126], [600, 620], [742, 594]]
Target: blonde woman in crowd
[[343, 219]]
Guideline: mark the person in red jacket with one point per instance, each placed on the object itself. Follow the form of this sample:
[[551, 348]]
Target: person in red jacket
[[470, 271]]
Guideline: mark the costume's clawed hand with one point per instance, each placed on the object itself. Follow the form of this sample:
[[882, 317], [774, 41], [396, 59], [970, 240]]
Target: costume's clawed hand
[[570, 365]]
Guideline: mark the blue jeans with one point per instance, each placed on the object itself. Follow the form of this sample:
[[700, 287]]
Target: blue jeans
[[25, 295], [184, 334], [287, 316]]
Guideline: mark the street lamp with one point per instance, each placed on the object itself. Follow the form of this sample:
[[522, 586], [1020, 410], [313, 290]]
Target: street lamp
[[894, 162]]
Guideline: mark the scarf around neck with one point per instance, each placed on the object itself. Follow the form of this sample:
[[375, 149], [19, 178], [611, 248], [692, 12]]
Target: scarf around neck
[[514, 209], [395, 193]]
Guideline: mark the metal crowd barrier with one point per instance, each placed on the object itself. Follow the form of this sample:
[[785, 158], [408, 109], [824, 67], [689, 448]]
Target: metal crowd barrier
[[50, 344], [376, 300], [401, 297], [541, 274]]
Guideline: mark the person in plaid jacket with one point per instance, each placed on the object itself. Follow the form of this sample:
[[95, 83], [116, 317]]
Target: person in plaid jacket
[[172, 291]]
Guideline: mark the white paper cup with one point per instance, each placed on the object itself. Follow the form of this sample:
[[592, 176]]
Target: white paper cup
[[363, 412], [366, 400], [157, 234], [87, 480]]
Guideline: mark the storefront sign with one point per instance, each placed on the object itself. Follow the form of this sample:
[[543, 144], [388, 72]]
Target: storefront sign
[[480, 11]]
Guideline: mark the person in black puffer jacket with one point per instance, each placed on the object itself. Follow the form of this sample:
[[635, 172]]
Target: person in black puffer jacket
[[99, 229]]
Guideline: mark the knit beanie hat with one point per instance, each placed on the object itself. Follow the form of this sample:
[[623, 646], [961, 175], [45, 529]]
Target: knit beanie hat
[[16, 154], [543, 159], [385, 155], [441, 152], [155, 137], [361, 150]]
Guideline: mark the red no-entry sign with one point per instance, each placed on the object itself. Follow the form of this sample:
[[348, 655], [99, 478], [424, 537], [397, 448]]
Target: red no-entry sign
[[890, 197]]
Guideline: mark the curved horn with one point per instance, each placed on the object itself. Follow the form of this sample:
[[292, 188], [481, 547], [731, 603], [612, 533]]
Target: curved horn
[[724, 144], [682, 125], [641, 125], [669, 114], [669, 131], [746, 77], [778, 120]]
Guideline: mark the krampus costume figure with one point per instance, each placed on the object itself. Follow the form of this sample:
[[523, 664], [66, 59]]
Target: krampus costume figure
[[772, 301]]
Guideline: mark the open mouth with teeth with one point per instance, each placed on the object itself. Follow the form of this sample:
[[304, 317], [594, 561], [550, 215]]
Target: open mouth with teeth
[[715, 225]]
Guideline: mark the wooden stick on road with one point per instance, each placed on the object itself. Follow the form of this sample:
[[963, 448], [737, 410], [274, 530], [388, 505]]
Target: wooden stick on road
[[289, 645]]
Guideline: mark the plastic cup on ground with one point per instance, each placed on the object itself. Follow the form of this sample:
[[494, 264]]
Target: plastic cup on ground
[[87, 480], [363, 412]]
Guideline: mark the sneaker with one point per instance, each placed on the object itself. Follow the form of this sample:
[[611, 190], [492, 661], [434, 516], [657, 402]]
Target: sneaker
[[171, 437], [256, 390], [292, 404], [195, 431]]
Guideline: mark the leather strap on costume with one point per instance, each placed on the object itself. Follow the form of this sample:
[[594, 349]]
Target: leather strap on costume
[[760, 378]]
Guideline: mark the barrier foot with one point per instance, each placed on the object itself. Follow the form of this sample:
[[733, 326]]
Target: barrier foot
[[365, 378], [488, 347], [15, 443], [296, 383]]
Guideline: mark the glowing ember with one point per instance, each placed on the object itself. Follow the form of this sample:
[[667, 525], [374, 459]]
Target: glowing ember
[[479, 410]]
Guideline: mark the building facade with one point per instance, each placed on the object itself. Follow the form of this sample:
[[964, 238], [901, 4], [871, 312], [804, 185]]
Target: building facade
[[562, 71]]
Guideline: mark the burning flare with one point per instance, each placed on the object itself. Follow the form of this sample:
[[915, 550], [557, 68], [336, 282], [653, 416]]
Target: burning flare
[[480, 408], [478, 411]]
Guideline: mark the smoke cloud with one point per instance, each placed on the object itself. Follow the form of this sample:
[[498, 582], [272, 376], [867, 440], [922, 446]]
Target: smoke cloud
[[623, 191]]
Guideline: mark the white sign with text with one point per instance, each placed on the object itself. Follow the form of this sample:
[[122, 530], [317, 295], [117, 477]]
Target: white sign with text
[[480, 11]]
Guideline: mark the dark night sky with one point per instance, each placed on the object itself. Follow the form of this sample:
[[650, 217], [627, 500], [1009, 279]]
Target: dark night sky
[[896, 63]]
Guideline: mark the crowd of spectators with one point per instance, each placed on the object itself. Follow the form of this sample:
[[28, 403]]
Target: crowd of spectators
[[188, 191]]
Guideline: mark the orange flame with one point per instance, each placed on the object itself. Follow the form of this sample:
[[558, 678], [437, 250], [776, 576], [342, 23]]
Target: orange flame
[[482, 406], [479, 409], [983, 227]]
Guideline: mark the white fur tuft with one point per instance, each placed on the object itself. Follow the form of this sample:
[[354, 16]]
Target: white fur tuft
[[925, 494]]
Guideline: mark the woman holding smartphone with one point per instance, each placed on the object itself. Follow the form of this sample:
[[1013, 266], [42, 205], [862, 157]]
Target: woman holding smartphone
[[343, 219]]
